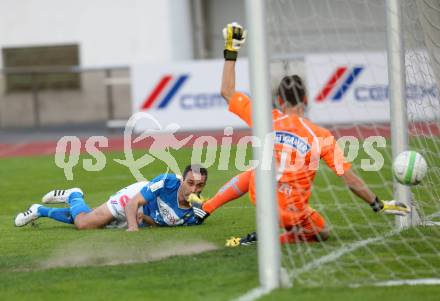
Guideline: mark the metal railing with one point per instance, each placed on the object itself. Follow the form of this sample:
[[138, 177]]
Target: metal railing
[[102, 94]]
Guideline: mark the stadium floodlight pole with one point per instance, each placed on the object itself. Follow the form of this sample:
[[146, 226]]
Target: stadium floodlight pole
[[267, 212], [397, 92]]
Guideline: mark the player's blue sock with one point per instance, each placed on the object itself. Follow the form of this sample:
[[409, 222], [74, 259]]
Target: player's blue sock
[[77, 204], [59, 214]]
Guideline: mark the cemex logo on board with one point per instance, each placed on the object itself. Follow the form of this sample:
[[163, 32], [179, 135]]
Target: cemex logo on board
[[340, 81], [167, 89], [343, 78], [164, 91]]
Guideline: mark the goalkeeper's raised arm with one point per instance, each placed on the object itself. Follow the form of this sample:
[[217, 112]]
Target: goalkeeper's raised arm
[[234, 36]]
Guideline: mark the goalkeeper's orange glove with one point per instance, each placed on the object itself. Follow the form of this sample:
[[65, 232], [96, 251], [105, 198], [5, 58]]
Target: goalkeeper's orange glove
[[234, 36]]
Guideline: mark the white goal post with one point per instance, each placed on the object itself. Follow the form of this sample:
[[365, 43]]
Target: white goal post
[[267, 212], [377, 64], [397, 92]]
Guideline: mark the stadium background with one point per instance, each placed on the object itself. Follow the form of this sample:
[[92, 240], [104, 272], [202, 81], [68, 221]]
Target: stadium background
[[109, 38]]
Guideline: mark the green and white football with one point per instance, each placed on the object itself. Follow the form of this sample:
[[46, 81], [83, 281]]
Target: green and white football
[[409, 168]]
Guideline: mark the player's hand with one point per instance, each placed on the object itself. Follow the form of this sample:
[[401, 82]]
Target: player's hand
[[132, 229], [140, 218], [234, 36], [395, 207]]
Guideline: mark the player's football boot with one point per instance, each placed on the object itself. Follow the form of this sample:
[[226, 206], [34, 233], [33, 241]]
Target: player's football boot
[[58, 196], [196, 203], [24, 218]]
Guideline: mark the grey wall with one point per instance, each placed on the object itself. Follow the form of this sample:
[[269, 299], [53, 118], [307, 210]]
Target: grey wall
[[313, 26], [219, 13], [295, 28], [86, 105], [299, 26]]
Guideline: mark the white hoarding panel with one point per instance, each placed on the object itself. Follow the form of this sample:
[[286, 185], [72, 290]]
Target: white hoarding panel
[[187, 94], [353, 88]]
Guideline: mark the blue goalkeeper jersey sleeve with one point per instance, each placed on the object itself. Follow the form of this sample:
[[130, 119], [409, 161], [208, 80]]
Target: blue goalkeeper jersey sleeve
[[162, 203]]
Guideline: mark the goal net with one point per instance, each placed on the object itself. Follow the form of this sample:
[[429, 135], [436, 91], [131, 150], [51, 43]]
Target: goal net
[[340, 48]]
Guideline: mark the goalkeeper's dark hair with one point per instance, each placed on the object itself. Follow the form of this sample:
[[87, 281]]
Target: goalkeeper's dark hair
[[196, 168], [292, 89]]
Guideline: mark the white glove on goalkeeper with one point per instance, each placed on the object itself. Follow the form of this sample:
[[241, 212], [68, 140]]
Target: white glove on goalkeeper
[[390, 207], [234, 36]]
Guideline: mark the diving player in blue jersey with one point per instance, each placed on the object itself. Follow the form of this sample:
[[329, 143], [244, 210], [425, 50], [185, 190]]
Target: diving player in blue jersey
[[161, 202]]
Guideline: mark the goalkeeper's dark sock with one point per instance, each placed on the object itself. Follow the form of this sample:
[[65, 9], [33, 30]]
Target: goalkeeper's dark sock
[[59, 214], [77, 204], [232, 190]]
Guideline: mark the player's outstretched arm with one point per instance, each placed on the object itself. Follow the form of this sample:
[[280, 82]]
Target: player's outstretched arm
[[131, 210], [234, 36], [359, 188]]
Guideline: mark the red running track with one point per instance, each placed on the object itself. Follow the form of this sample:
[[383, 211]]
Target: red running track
[[37, 148]]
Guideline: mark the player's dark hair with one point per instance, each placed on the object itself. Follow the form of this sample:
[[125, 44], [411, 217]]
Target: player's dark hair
[[197, 168], [292, 90]]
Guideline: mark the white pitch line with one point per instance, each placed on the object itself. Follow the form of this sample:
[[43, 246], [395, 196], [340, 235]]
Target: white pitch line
[[258, 292], [421, 281], [347, 249], [253, 294], [340, 252]]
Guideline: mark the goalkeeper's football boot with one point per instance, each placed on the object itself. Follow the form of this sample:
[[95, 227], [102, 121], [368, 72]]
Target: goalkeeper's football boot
[[58, 196], [196, 200], [248, 240], [24, 218]]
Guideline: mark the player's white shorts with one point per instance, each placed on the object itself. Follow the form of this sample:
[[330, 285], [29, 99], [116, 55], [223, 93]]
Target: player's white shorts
[[117, 202]]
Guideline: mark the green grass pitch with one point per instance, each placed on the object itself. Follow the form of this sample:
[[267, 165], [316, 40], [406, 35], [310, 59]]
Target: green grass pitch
[[53, 261]]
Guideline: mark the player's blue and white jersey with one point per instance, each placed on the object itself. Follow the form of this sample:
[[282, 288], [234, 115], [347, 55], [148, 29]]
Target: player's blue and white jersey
[[162, 203]]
